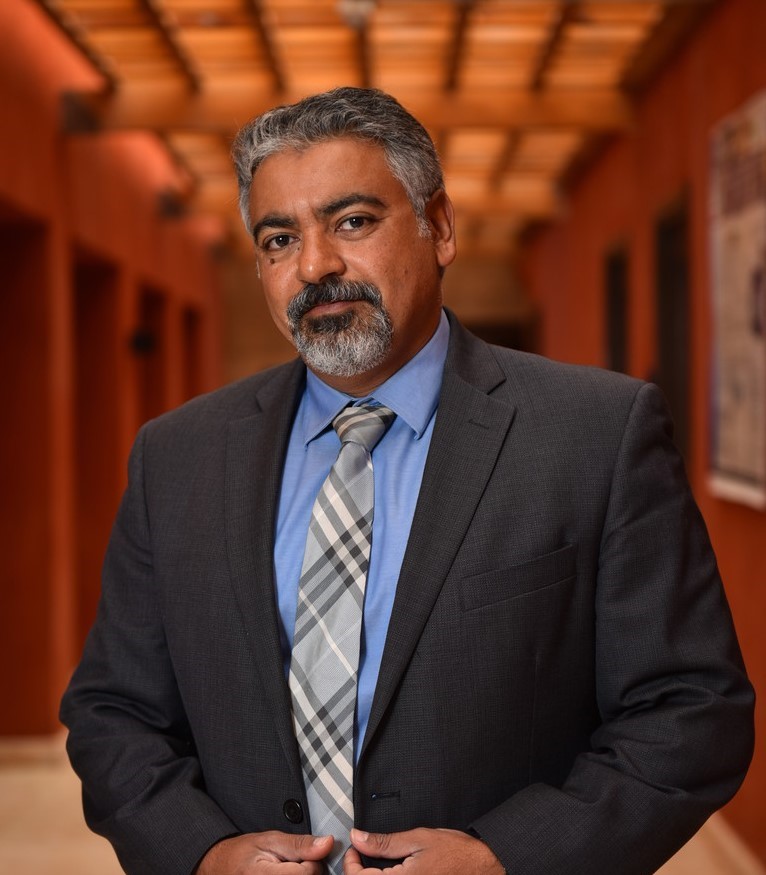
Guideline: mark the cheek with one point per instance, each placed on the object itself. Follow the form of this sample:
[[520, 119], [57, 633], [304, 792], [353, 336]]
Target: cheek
[[277, 302]]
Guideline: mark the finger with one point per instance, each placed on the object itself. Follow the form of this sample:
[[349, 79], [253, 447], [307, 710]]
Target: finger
[[285, 868], [388, 846], [352, 862], [296, 848]]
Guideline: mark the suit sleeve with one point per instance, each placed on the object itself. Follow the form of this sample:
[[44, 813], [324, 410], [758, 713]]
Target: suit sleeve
[[128, 736], [676, 731]]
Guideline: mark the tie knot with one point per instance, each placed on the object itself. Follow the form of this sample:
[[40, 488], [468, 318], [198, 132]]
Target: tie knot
[[365, 424]]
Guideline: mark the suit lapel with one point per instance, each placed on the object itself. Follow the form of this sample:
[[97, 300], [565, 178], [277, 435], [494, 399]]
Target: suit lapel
[[470, 429], [254, 457]]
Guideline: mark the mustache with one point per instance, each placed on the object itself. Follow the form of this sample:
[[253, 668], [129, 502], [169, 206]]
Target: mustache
[[331, 292]]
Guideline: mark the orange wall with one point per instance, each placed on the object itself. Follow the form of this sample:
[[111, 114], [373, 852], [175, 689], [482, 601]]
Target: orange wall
[[84, 251], [618, 202]]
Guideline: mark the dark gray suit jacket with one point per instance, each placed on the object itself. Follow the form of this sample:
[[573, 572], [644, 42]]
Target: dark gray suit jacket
[[560, 675]]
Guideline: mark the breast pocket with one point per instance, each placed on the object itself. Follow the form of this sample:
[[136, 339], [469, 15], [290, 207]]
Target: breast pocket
[[504, 584]]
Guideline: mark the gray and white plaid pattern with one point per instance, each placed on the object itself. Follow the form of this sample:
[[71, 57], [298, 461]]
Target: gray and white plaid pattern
[[328, 623]]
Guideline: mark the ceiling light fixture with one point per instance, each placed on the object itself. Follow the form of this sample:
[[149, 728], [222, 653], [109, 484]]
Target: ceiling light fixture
[[356, 12]]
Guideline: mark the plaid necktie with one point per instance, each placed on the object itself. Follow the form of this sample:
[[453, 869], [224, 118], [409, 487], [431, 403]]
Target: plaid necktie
[[328, 624]]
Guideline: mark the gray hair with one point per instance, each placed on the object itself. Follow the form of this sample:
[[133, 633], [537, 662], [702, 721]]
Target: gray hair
[[363, 113]]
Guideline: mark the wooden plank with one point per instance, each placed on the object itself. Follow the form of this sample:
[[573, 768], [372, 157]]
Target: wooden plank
[[167, 33], [505, 159], [569, 12], [671, 31], [266, 40], [168, 107], [363, 59], [76, 37], [457, 47]]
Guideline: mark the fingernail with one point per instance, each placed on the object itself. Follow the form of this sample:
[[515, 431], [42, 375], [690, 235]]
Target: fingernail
[[318, 840], [361, 836]]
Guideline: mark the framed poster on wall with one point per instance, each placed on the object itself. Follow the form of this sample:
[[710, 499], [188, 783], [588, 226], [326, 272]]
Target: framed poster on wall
[[738, 285]]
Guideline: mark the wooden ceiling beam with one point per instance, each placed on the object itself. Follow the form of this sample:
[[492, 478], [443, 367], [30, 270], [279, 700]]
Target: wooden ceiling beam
[[504, 160], [569, 12], [170, 107], [457, 46], [363, 56], [266, 40], [441, 141], [75, 36], [168, 35], [664, 41]]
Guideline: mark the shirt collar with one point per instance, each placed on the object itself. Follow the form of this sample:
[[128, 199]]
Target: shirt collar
[[412, 392]]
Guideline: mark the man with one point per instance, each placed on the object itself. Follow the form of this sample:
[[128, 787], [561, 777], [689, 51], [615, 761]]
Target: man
[[546, 678]]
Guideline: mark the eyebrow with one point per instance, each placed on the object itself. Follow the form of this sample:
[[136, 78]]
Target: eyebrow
[[274, 220], [350, 200]]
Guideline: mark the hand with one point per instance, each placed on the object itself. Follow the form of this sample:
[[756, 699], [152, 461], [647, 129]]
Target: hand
[[267, 853], [424, 852]]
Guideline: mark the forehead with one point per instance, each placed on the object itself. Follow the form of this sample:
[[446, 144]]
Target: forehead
[[319, 174]]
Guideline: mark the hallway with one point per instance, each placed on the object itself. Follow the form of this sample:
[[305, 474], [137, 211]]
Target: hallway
[[605, 160], [42, 831]]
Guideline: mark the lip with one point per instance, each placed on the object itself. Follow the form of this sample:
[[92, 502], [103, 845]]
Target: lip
[[329, 309]]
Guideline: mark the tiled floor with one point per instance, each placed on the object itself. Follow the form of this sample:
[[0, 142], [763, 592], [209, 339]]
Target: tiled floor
[[41, 827], [42, 831]]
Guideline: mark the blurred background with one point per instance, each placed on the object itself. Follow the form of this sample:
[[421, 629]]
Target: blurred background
[[607, 159]]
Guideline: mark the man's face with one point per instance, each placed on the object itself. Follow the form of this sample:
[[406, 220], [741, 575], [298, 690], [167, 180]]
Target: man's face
[[347, 273]]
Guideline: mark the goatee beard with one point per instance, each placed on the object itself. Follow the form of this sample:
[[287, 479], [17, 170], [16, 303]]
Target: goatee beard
[[343, 344]]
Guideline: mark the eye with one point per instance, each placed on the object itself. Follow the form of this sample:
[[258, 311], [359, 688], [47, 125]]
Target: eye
[[354, 223], [278, 241]]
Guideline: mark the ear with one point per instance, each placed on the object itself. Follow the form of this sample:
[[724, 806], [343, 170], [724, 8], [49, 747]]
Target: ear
[[441, 217]]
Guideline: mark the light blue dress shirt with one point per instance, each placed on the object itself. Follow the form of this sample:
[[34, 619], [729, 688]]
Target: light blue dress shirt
[[398, 463]]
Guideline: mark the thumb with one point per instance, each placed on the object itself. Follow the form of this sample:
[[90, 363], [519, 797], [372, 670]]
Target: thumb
[[389, 846], [304, 847]]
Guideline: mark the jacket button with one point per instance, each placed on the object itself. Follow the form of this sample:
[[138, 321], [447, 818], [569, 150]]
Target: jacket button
[[293, 811]]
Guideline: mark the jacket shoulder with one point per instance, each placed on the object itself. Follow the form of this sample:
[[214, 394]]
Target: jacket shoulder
[[529, 377], [541, 371], [207, 415]]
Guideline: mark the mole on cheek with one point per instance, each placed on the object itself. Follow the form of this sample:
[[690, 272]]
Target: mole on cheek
[[271, 260]]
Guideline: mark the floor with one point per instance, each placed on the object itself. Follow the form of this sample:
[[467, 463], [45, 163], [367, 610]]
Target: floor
[[42, 831]]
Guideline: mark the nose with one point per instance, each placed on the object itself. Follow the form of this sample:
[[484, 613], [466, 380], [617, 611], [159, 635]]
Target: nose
[[318, 258]]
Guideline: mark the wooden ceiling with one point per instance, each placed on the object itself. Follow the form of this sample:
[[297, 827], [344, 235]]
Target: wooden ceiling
[[516, 93]]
